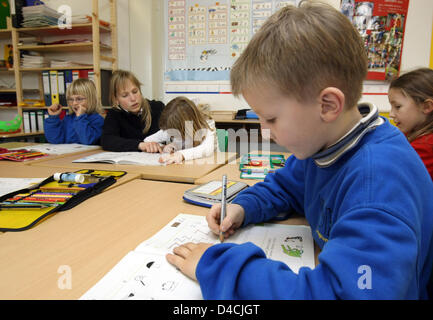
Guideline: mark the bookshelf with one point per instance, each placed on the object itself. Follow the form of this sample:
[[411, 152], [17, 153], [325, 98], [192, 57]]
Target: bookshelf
[[97, 51]]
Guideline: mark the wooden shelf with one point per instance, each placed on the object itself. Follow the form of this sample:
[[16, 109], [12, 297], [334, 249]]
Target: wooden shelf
[[85, 28], [5, 34], [98, 52], [68, 47], [12, 90], [21, 134], [54, 68]]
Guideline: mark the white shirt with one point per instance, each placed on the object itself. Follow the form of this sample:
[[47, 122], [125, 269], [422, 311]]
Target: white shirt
[[205, 149]]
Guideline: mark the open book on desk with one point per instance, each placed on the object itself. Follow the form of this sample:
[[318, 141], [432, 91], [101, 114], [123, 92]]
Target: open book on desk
[[145, 273], [137, 158], [58, 149]]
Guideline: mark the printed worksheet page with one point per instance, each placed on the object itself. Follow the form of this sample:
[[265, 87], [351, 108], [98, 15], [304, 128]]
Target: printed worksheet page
[[145, 273]]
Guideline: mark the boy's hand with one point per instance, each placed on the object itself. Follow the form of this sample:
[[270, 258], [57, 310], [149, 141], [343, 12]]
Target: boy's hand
[[176, 157], [152, 147], [55, 109], [187, 256], [233, 220], [169, 148]]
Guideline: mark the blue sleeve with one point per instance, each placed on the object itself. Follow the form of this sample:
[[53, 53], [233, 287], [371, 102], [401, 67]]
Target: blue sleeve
[[281, 191], [371, 254], [54, 130], [88, 128]]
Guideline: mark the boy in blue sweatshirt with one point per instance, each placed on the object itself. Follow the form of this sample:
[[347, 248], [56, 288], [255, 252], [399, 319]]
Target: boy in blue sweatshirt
[[364, 191]]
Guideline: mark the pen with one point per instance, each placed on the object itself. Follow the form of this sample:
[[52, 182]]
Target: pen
[[223, 205], [22, 206]]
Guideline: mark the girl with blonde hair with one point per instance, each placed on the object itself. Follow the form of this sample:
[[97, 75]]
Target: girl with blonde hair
[[132, 117], [84, 122], [186, 132]]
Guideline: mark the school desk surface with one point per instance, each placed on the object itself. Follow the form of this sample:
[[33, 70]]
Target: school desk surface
[[186, 172], [88, 240]]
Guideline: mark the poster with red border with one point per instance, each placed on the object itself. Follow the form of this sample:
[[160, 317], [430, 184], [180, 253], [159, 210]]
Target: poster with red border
[[381, 23]]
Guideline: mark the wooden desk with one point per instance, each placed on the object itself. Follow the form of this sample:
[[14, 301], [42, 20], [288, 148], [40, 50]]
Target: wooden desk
[[187, 172], [88, 240], [13, 145], [232, 171]]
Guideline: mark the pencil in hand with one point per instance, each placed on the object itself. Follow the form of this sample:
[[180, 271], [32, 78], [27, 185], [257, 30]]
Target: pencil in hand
[[223, 205]]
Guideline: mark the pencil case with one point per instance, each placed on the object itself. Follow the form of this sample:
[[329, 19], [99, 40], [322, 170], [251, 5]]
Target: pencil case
[[23, 209]]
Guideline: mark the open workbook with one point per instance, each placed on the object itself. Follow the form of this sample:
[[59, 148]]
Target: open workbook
[[58, 149], [145, 273], [138, 158]]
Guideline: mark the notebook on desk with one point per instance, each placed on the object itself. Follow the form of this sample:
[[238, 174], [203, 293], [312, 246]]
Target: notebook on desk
[[144, 273], [134, 158]]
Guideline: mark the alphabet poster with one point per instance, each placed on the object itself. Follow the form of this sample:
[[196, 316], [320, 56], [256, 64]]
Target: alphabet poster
[[381, 24], [204, 38]]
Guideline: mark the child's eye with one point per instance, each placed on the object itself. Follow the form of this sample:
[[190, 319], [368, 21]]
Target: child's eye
[[271, 120]]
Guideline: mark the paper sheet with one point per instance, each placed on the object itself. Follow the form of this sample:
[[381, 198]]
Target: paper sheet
[[8, 185], [58, 149], [145, 274]]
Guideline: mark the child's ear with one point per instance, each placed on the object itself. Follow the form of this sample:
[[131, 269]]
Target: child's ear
[[427, 106], [331, 103]]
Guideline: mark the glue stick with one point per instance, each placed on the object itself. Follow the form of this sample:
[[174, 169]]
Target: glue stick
[[75, 177]]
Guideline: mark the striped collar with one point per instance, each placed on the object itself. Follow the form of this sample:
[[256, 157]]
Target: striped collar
[[370, 120]]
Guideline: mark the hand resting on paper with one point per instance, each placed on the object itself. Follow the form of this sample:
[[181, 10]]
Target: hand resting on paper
[[169, 158], [186, 257], [151, 147]]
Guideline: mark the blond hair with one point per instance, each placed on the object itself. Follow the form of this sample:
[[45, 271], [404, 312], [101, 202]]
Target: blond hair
[[118, 82], [418, 86], [302, 51], [86, 88], [178, 112]]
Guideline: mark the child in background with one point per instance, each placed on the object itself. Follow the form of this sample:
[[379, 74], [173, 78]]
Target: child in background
[[84, 122], [411, 98], [187, 132], [302, 73], [132, 117]]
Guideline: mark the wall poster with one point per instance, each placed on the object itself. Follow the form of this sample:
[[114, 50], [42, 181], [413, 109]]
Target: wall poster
[[204, 38], [381, 24]]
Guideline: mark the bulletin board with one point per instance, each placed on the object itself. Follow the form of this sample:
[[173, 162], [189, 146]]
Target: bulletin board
[[381, 24], [204, 38]]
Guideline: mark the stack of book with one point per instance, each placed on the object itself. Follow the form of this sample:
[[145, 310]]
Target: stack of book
[[67, 64], [34, 60], [40, 16]]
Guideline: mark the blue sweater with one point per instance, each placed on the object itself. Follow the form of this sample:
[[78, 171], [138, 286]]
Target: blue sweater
[[85, 129], [370, 212]]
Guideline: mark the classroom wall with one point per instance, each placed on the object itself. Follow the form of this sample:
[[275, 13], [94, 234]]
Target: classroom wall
[[147, 59]]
